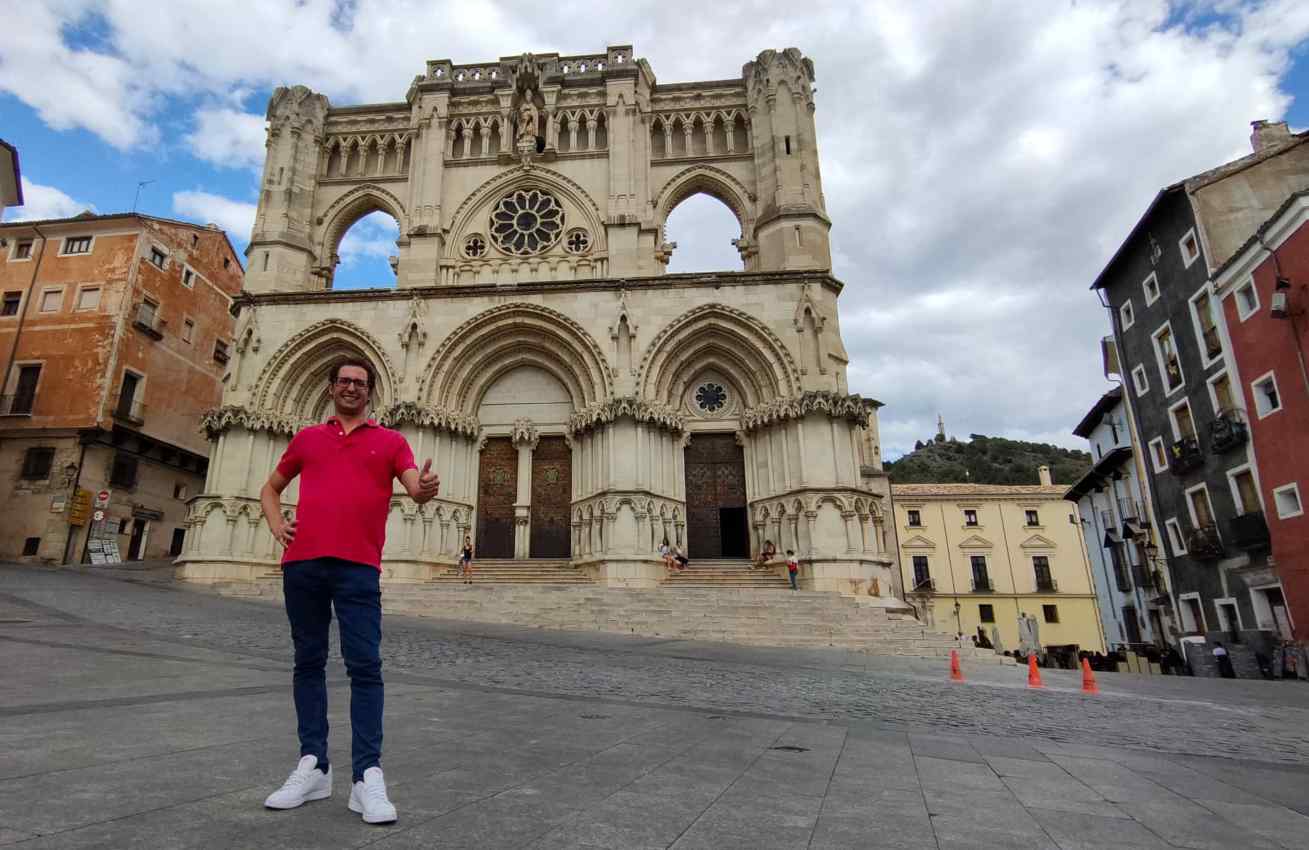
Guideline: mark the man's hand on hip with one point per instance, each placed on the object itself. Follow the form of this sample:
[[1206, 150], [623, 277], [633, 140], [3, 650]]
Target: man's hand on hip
[[285, 533]]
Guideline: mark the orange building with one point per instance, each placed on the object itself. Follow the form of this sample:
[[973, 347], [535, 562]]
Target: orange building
[[114, 335]]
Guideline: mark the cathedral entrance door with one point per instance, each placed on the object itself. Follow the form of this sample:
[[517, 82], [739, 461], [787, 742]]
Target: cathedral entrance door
[[716, 525], [497, 487], [552, 497]]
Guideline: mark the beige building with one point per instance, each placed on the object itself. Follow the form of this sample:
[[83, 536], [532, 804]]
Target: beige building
[[985, 555], [11, 184], [579, 404]]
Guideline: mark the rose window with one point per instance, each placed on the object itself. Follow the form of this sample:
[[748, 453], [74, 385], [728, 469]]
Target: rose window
[[474, 246], [711, 397], [578, 241], [526, 222]]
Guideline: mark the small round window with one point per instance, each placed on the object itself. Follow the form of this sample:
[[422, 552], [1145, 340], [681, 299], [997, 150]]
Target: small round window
[[578, 241], [710, 397], [475, 246], [526, 222]]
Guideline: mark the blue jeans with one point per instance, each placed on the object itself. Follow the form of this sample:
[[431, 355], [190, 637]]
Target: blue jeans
[[311, 589], [791, 576]]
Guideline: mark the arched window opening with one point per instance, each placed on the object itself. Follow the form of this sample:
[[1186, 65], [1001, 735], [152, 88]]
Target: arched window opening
[[703, 228], [601, 133], [679, 138], [495, 139], [699, 137], [334, 160], [658, 148], [566, 132], [366, 253], [720, 136]]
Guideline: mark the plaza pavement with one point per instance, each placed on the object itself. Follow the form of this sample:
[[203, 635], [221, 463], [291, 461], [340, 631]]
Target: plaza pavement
[[138, 714]]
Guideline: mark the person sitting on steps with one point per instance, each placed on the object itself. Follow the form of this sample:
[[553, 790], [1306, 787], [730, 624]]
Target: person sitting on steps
[[766, 554], [666, 553]]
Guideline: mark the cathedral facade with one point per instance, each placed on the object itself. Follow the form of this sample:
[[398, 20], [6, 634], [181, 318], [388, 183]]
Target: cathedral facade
[[579, 403]]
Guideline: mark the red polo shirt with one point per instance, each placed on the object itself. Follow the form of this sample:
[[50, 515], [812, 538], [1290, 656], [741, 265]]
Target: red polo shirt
[[345, 489]]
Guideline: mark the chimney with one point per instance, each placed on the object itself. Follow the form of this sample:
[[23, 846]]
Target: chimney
[[1044, 473], [1265, 134]]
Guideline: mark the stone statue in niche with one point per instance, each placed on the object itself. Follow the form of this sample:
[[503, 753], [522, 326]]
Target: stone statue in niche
[[528, 118]]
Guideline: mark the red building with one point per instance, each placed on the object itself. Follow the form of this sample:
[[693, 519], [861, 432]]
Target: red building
[[1264, 290]]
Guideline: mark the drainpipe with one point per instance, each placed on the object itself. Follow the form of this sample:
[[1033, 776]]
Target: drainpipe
[[22, 314]]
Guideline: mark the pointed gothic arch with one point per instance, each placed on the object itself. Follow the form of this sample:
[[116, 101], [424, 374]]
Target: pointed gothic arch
[[345, 212], [294, 381], [466, 219], [708, 180]]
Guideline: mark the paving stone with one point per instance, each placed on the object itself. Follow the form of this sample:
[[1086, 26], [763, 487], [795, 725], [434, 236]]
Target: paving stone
[[1073, 831], [1060, 794], [1277, 823], [1187, 824], [942, 774]]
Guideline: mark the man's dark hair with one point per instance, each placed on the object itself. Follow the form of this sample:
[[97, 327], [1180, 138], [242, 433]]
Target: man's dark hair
[[352, 361]]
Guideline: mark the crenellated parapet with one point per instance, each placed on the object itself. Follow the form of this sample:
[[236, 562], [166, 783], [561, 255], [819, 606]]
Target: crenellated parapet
[[854, 408]]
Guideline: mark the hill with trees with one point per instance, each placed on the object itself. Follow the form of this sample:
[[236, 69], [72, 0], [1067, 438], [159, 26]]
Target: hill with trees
[[986, 460]]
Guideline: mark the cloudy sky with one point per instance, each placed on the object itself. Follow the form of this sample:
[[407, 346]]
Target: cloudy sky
[[981, 161]]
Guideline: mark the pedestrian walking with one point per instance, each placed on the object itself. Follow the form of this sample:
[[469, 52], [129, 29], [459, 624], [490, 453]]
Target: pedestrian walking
[[1224, 661], [332, 561], [792, 568], [466, 560]]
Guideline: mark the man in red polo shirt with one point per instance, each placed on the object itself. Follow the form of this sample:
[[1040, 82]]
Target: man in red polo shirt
[[333, 559]]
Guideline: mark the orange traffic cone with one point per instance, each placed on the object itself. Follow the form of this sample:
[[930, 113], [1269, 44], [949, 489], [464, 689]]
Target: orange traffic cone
[[1033, 674], [1088, 679], [956, 674]]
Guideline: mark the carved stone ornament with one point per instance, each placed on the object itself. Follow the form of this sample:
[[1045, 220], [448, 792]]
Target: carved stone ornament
[[854, 408], [524, 433], [603, 413], [427, 416], [214, 422]]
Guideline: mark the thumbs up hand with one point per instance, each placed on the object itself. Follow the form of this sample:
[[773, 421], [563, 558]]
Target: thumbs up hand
[[429, 483]]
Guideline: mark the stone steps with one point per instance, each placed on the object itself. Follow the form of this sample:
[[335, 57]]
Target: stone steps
[[503, 571], [726, 572]]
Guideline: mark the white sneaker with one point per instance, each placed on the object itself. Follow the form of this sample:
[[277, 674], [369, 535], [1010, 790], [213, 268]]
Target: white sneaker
[[305, 783], [369, 799]]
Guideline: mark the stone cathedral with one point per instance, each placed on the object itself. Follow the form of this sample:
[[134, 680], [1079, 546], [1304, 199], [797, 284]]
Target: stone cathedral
[[580, 404]]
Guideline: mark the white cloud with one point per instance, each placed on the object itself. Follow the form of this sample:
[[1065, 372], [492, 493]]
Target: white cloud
[[980, 160], [236, 217], [228, 138], [42, 202], [371, 237]]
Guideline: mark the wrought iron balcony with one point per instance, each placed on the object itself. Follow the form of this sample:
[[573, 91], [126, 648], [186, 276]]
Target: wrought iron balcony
[[1204, 543], [1185, 455], [1130, 510], [17, 404], [983, 585], [130, 409], [1143, 575], [147, 319], [1107, 520], [1213, 345], [1046, 584], [1249, 531], [1228, 431], [924, 585]]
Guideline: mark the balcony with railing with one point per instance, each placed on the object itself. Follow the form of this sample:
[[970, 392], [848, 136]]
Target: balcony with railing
[[1204, 543], [1185, 455], [1228, 431], [17, 404], [147, 320], [1213, 344], [1143, 576], [924, 584], [1107, 520], [1249, 531], [982, 584], [1130, 510], [1045, 583], [129, 409]]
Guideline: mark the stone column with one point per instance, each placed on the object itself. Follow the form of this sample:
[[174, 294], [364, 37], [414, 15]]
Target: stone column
[[525, 439]]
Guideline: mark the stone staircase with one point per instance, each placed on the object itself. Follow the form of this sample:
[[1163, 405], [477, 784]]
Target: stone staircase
[[493, 571], [727, 572]]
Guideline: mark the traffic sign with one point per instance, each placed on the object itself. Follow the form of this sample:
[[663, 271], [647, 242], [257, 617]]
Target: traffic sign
[[98, 516], [102, 498], [81, 507]]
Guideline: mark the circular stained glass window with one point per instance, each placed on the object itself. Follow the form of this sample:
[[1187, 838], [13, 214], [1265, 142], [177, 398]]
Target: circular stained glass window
[[578, 241], [711, 397], [474, 246], [526, 222]]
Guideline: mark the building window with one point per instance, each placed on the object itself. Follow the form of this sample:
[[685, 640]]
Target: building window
[[1220, 393], [24, 398], [37, 463], [1210, 342], [1247, 300], [1139, 380], [227, 262], [1192, 614], [188, 328], [1266, 399], [1033, 517], [981, 580], [31, 546], [157, 257], [1044, 578], [1158, 454], [1051, 613], [124, 471], [77, 245], [23, 250], [88, 298], [1190, 247], [970, 517], [922, 575], [1202, 512], [1175, 536], [1244, 491], [13, 300], [179, 491], [1287, 499], [1151, 288], [1126, 313], [220, 351], [188, 277], [52, 300], [1170, 364], [1183, 421], [915, 518], [986, 613]]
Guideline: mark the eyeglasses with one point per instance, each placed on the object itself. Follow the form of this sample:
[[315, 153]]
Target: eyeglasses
[[346, 383]]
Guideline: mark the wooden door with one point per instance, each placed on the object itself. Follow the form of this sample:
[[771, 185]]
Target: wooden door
[[552, 498], [497, 488], [716, 524]]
